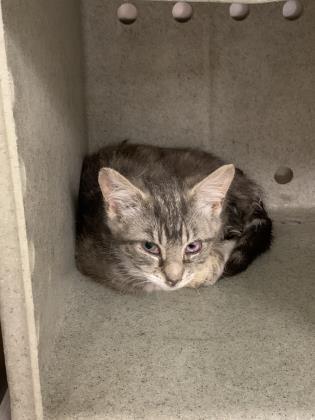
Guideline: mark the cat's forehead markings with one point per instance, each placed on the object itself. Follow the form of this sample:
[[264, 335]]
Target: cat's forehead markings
[[163, 236], [185, 235], [179, 227], [156, 237], [195, 230]]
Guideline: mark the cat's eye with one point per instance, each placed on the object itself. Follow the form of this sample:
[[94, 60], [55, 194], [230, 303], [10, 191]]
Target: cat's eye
[[151, 247], [193, 247]]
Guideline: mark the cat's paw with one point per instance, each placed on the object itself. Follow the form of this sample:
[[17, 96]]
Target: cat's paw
[[214, 266], [210, 272], [218, 260]]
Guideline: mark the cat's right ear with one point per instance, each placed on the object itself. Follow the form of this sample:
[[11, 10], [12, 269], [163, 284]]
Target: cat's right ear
[[121, 197]]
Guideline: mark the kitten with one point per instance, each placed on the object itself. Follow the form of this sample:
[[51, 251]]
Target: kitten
[[153, 218]]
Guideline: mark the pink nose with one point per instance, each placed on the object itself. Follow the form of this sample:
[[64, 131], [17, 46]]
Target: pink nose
[[173, 273]]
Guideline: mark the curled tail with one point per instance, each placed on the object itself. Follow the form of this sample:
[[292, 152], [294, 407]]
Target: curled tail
[[255, 238]]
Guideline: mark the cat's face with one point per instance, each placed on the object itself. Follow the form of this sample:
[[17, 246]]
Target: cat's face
[[164, 234], [166, 257]]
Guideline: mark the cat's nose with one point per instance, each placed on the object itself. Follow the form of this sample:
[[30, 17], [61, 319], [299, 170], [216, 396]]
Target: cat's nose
[[173, 273]]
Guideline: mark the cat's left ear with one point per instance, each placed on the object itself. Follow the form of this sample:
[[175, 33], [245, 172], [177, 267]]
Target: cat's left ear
[[208, 195]]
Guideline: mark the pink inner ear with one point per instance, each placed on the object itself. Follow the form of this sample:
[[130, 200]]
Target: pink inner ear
[[217, 205], [112, 205]]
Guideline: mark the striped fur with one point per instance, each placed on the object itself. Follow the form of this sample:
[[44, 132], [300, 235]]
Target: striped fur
[[160, 207]]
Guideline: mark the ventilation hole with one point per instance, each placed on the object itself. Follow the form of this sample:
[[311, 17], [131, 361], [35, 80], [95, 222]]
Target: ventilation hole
[[239, 11], [283, 175], [182, 11], [292, 9], [127, 13]]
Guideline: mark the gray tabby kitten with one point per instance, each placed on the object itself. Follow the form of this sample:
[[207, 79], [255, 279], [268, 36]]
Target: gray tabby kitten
[[153, 218]]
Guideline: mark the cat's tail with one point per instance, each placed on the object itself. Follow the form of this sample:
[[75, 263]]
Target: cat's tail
[[255, 239]]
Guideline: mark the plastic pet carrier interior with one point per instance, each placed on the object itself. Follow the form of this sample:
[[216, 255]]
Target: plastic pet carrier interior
[[235, 79]]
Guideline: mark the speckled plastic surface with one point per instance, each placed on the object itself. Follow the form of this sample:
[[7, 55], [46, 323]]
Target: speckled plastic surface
[[242, 349], [49, 129], [241, 89], [16, 297]]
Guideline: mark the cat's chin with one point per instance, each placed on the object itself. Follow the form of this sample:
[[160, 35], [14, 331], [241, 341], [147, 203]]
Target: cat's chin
[[152, 287]]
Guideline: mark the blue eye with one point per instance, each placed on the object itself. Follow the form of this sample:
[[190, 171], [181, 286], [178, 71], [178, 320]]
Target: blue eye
[[151, 248], [193, 247]]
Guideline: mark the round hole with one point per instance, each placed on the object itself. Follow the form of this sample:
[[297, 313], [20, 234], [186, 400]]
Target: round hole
[[127, 13], [283, 175], [239, 11], [182, 11], [292, 9]]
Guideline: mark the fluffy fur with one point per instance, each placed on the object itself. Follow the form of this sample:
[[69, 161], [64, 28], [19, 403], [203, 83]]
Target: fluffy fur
[[133, 194]]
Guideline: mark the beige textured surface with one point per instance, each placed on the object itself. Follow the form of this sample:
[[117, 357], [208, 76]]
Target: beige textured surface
[[5, 411], [16, 299], [244, 90], [44, 51], [242, 349]]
